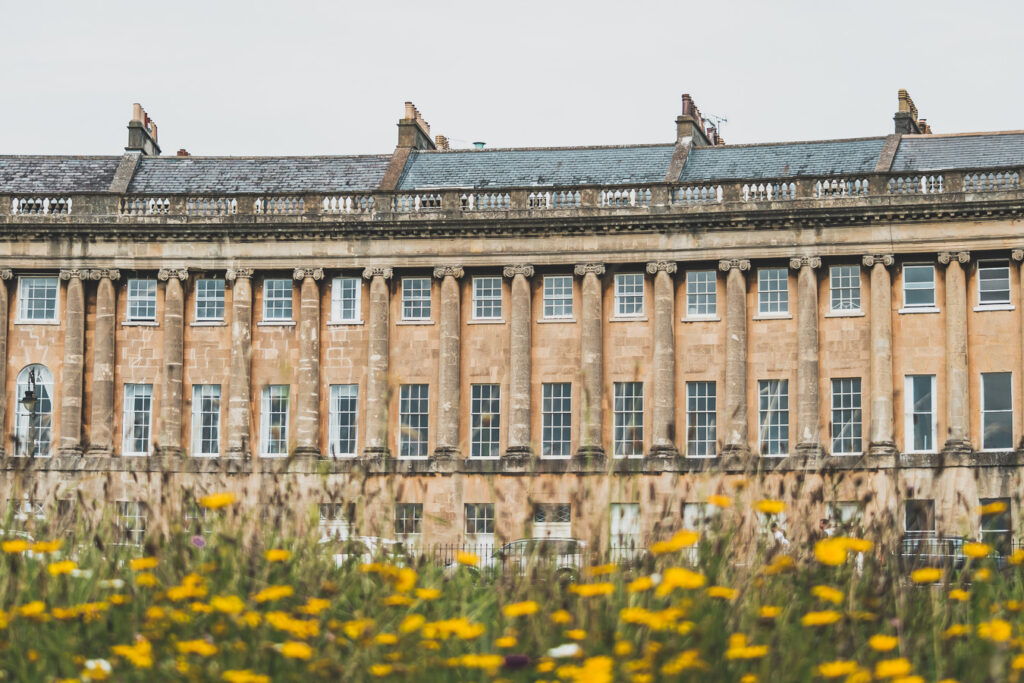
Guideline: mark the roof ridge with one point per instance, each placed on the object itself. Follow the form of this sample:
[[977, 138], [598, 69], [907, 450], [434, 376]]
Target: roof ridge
[[261, 157], [60, 156], [670, 145], [964, 135], [794, 142]]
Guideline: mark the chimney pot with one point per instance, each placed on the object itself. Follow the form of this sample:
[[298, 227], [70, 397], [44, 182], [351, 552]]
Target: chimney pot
[[183, 152]]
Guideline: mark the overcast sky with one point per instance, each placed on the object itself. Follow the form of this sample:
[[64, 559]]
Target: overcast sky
[[304, 77]]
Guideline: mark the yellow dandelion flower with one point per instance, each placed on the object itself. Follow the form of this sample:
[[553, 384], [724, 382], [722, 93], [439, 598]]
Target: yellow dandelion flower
[[196, 647], [769, 612], [58, 568], [748, 678], [227, 604], [277, 555], [468, 559], [687, 659], [1016, 557], [428, 593], [623, 648], [770, 507], [47, 547], [411, 623], [294, 649], [576, 634], [780, 564], [140, 654], [926, 575], [143, 563], [977, 550], [271, 593], [828, 594], [723, 592], [32, 609], [955, 631], [355, 629], [837, 669], [380, 670], [520, 609], [720, 501], [13, 547], [958, 594], [1017, 664], [883, 643], [561, 617], [983, 574], [589, 590], [831, 551], [682, 539], [406, 580], [385, 639], [892, 668], [505, 642], [640, 584], [217, 500], [679, 577], [601, 569], [823, 618], [993, 508], [244, 676], [314, 606], [996, 630]]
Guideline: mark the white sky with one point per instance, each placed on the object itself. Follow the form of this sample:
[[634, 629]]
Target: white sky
[[306, 77]]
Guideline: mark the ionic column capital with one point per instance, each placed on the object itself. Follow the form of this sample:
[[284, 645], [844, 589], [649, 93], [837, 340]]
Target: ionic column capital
[[103, 273], [658, 266], [945, 257], [303, 273], [73, 274], [377, 271], [584, 268], [798, 262], [884, 259], [6, 273], [165, 274], [441, 272], [238, 272], [1016, 255], [734, 264], [512, 271]]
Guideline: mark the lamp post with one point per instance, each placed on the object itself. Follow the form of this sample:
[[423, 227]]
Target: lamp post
[[29, 401]]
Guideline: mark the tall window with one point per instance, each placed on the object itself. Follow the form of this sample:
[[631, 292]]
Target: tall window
[[701, 419], [625, 530], [336, 520], [996, 529], [277, 300], [918, 286], [629, 294], [485, 416], [919, 516], [205, 419], [343, 416], [486, 298], [701, 294], [698, 516], [557, 296], [408, 519], [996, 411], [130, 522], [34, 429], [209, 299], [274, 432], [480, 522], [138, 418], [415, 298], [413, 413], [919, 411], [552, 520], [629, 419], [846, 415], [141, 300], [37, 299], [993, 283], [772, 291], [556, 416], [845, 285], [773, 408], [345, 299]]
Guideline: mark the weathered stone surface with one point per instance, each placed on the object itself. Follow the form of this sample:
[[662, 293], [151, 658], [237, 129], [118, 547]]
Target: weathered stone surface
[[239, 441], [881, 432], [101, 432], [72, 384], [307, 423], [592, 360], [735, 355], [807, 376], [664, 393], [520, 361], [173, 367], [377, 371], [448, 385], [958, 424]]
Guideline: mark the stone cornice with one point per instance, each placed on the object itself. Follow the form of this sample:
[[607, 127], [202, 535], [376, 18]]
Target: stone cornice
[[440, 272], [585, 268], [798, 262], [886, 260], [963, 257], [659, 266], [165, 274], [303, 273], [238, 272], [735, 263], [512, 271], [371, 272]]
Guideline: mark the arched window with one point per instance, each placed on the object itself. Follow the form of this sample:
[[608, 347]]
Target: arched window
[[34, 429]]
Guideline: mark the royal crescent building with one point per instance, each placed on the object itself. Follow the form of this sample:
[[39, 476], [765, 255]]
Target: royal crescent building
[[480, 345]]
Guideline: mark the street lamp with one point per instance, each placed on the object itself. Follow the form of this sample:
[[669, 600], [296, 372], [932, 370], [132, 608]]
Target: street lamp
[[29, 402]]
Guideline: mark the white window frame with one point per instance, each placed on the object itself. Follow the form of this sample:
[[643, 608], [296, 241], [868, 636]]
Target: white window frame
[[23, 300], [416, 304], [129, 514], [847, 402], [207, 294], [336, 521], [702, 403], [137, 298], [552, 520], [479, 522], [999, 537], [44, 419], [483, 300], [985, 411], [699, 296], [766, 414], [132, 392], [927, 504], [989, 266], [844, 288], [485, 407], [766, 279], [200, 394], [548, 420], [270, 394], [558, 300], [907, 287], [343, 395], [270, 284], [625, 530], [628, 420], [418, 448], [338, 299], [909, 412], [406, 514], [629, 303]]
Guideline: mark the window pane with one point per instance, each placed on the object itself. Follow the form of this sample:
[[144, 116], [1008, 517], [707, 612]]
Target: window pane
[[556, 412], [846, 415], [993, 283], [701, 299], [345, 298], [413, 420], [557, 296], [206, 419], [486, 420], [701, 419], [997, 414], [416, 298], [629, 294], [845, 285], [774, 416], [479, 519], [141, 299], [34, 430], [275, 419], [209, 299], [922, 412], [773, 290], [277, 299], [38, 298], [408, 518], [487, 297], [138, 403], [344, 405], [629, 419]]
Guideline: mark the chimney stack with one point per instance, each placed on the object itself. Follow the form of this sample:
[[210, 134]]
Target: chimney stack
[[441, 142], [906, 119], [413, 131], [142, 134], [691, 124]]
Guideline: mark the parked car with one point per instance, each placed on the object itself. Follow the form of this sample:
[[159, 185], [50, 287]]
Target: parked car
[[930, 550], [366, 549], [563, 556]]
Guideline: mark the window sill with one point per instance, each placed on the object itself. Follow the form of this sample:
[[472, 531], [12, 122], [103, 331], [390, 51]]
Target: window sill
[[208, 323], [494, 321], [276, 323], [556, 457], [702, 319], [205, 456], [274, 456], [932, 452], [775, 456], [628, 319], [918, 309], [134, 455], [37, 322], [549, 321], [855, 454], [994, 307], [414, 322], [773, 316], [140, 323], [702, 457], [341, 323], [845, 314], [413, 457]]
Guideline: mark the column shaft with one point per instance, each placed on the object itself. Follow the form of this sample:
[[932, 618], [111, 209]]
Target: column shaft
[[101, 427], [881, 429], [664, 382], [308, 401], [519, 355], [240, 384], [808, 429], [591, 361], [735, 355], [448, 386], [5, 275], [73, 369], [958, 425], [377, 372], [1018, 255], [174, 363]]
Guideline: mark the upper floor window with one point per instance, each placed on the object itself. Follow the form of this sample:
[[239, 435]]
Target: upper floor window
[[846, 415], [701, 294], [413, 420], [701, 419], [485, 420], [141, 300], [34, 429], [277, 300], [486, 298], [918, 286], [557, 296], [773, 409], [205, 419], [845, 285], [629, 294], [37, 299], [343, 419], [274, 425], [772, 291], [993, 283], [209, 299], [345, 299], [415, 298], [628, 415], [996, 411], [556, 419], [138, 418], [408, 520], [919, 413]]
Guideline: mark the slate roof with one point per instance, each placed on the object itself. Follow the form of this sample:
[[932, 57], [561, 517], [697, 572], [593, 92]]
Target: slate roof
[[782, 160], [227, 175], [59, 175], [932, 153], [526, 167]]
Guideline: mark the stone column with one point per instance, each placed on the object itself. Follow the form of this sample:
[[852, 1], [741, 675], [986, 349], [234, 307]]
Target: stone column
[[881, 434], [958, 406], [663, 416], [735, 355], [448, 385], [307, 422], [591, 360], [808, 424], [240, 383], [171, 403], [520, 352], [5, 275], [101, 427], [1017, 255], [377, 372], [74, 365]]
